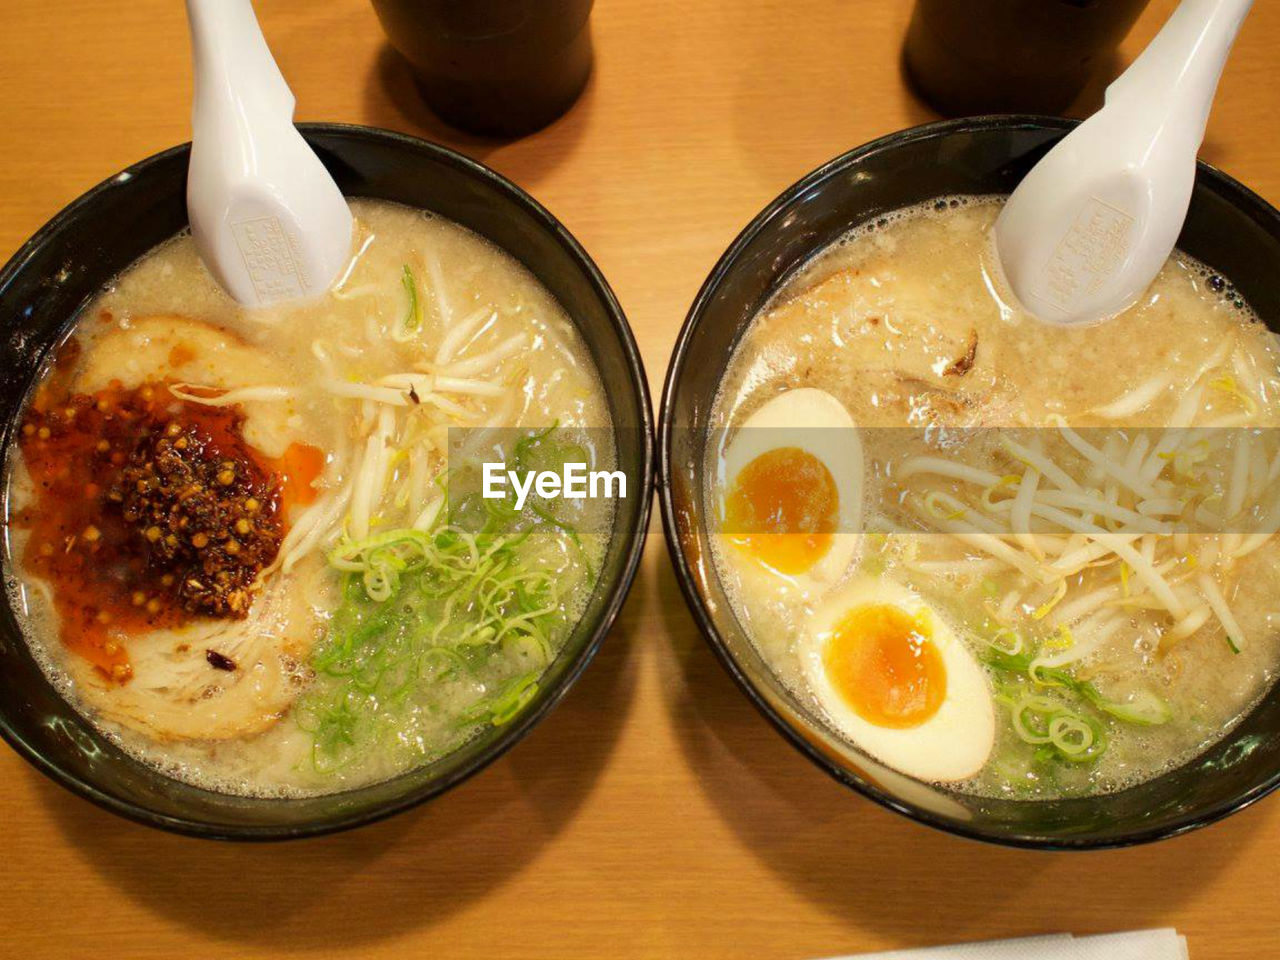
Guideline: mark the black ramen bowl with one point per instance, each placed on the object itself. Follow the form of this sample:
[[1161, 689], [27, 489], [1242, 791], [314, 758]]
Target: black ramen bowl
[[1228, 227], [49, 280]]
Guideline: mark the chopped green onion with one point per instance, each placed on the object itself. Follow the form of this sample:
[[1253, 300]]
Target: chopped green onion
[[447, 622], [1043, 721], [1144, 708], [1077, 738], [413, 314]]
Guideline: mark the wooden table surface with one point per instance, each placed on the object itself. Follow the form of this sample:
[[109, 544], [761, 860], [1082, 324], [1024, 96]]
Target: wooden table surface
[[654, 813]]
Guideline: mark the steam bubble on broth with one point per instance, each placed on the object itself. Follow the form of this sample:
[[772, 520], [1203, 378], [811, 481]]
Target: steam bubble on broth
[[311, 452], [1091, 509]]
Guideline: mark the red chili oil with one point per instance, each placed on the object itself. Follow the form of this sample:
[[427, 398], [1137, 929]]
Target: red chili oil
[[149, 511]]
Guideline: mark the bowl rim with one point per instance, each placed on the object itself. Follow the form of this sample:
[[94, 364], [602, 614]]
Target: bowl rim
[[618, 594], [1225, 186]]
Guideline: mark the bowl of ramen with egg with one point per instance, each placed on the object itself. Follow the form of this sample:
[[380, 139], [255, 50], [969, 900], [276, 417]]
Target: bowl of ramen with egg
[[254, 588], [1015, 580]]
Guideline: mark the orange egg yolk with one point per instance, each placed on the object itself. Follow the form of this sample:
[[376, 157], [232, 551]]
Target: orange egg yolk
[[882, 663], [782, 509]]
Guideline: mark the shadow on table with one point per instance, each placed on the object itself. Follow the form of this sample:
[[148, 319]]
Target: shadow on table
[[799, 98], [392, 101], [381, 880], [1089, 101], [872, 867]]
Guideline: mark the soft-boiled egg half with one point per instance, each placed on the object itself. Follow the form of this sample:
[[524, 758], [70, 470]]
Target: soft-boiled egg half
[[896, 681], [792, 487]]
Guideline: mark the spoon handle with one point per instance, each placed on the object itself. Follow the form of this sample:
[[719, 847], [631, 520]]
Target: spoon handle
[[236, 77], [266, 216], [1176, 76]]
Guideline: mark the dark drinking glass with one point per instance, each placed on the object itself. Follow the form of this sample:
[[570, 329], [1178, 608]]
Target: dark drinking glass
[[970, 57], [496, 67]]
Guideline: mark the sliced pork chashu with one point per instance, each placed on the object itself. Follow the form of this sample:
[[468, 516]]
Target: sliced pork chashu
[[209, 679], [916, 338], [170, 347]]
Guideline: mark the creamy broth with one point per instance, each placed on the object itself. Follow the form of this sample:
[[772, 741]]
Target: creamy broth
[[902, 323], [385, 632]]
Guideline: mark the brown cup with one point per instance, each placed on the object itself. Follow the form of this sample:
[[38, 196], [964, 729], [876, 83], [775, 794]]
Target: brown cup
[[493, 67], [969, 57]]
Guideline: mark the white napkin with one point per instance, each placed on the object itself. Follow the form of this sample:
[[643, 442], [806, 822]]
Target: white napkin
[[1164, 944]]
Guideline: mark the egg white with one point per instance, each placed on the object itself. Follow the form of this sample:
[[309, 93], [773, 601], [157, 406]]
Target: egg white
[[956, 741], [816, 422]]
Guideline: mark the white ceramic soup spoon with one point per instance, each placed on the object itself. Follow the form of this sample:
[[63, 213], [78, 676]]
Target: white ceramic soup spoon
[[268, 219], [1090, 226]]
